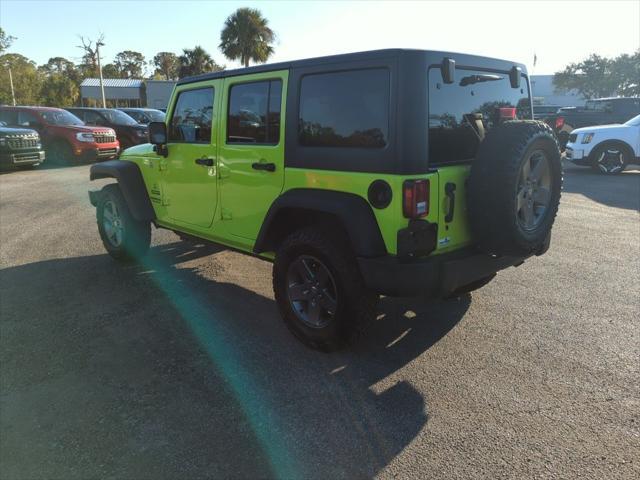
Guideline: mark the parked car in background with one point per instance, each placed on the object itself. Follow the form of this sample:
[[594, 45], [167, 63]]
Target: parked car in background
[[144, 116], [128, 131], [540, 112], [20, 147], [65, 137], [602, 111], [607, 148]]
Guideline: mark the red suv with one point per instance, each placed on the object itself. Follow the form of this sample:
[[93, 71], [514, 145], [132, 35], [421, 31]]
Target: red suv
[[64, 136]]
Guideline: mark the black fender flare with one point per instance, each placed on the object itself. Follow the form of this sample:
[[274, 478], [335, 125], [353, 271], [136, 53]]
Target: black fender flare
[[352, 211], [131, 185]]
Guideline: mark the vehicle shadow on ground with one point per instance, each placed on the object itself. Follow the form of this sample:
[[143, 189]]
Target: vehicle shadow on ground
[[160, 371], [620, 191]]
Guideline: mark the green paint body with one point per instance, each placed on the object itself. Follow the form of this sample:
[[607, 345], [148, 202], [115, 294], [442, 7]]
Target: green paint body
[[228, 201]]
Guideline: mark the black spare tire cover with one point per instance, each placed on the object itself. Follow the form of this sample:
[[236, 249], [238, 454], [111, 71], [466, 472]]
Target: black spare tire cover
[[514, 188]]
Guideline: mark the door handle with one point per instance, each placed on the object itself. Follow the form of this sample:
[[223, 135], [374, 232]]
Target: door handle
[[449, 190], [206, 161], [268, 167]]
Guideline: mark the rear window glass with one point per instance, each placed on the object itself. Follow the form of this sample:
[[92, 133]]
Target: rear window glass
[[345, 109], [461, 113], [254, 113]]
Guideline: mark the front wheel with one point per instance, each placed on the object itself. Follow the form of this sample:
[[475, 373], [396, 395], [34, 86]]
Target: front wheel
[[320, 291], [609, 159], [124, 237]]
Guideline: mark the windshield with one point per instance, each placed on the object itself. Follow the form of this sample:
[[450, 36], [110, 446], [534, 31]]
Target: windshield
[[118, 118], [60, 117], [461, 113], [634, 122], [155, 115]]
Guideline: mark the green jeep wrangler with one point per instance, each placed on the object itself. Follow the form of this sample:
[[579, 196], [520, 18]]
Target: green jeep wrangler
[[390, 172]]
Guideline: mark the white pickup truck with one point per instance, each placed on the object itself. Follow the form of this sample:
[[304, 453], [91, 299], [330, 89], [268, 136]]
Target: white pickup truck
[[606, 148]]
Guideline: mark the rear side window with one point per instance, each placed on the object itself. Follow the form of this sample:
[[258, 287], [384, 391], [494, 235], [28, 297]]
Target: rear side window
[[599, 106], [10, 117], [191, 120], [461, 113], [254, 113], [345, 109]]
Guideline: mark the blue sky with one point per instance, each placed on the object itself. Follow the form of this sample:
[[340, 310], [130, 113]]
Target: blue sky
[[558, 32]]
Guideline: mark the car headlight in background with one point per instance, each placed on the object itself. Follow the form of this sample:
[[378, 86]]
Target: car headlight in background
[[85, 137], [586, 138]]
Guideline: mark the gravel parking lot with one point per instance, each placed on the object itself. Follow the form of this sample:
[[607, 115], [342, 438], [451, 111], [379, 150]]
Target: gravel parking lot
[[182, 368]]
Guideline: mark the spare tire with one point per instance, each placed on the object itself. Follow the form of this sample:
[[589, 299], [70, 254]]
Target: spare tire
[[514, 188]]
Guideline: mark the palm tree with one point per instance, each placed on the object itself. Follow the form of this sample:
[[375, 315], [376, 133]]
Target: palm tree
[[195, 61], [246, 36]]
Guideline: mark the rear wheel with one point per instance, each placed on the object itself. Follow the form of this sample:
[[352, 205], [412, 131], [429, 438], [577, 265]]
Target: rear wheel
[[124, 237], [610, 159], [319, 290]]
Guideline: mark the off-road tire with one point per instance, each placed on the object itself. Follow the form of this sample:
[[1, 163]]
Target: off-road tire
[[136, 235], [356, 306], [625, 151], [493, 184]]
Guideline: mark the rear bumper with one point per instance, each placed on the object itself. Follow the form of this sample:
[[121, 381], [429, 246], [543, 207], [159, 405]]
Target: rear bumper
[[434, 276], [22, 158]]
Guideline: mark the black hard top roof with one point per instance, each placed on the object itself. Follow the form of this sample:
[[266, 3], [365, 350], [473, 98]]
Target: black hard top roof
[[342, 58]]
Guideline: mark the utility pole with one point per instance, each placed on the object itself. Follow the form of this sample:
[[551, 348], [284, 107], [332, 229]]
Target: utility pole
[[98, 45], [13, 93]]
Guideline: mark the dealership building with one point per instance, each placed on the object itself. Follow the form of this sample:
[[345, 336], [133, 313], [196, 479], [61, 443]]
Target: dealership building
[[544, 93], [120, 92]]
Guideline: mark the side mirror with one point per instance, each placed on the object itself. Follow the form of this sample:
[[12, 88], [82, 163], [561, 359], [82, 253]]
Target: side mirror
[[515, 75], [158, 137], [448, 68]]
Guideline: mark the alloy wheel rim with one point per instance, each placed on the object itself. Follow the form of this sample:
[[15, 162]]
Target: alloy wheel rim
[[112, 223], [533, 194], [312, 291], [611, 161]]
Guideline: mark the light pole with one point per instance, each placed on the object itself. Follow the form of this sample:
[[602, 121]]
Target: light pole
[[13, 93], [98, 45]]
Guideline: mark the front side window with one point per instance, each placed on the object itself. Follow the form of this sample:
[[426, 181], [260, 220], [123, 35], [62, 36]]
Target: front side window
[[191, 120], [93, 118], [345, 109], [254, 113], [461, 113], [26, 119], [118, 118]]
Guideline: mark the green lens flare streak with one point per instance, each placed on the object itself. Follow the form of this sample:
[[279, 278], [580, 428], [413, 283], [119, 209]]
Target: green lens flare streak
[[219, 344]]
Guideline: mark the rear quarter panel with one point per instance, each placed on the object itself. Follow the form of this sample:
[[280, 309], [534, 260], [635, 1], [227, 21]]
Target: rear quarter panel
[[390, 219]]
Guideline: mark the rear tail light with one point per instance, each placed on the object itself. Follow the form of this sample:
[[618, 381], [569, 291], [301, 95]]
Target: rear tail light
[[415, 198], [559, 123], [507, 113]]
